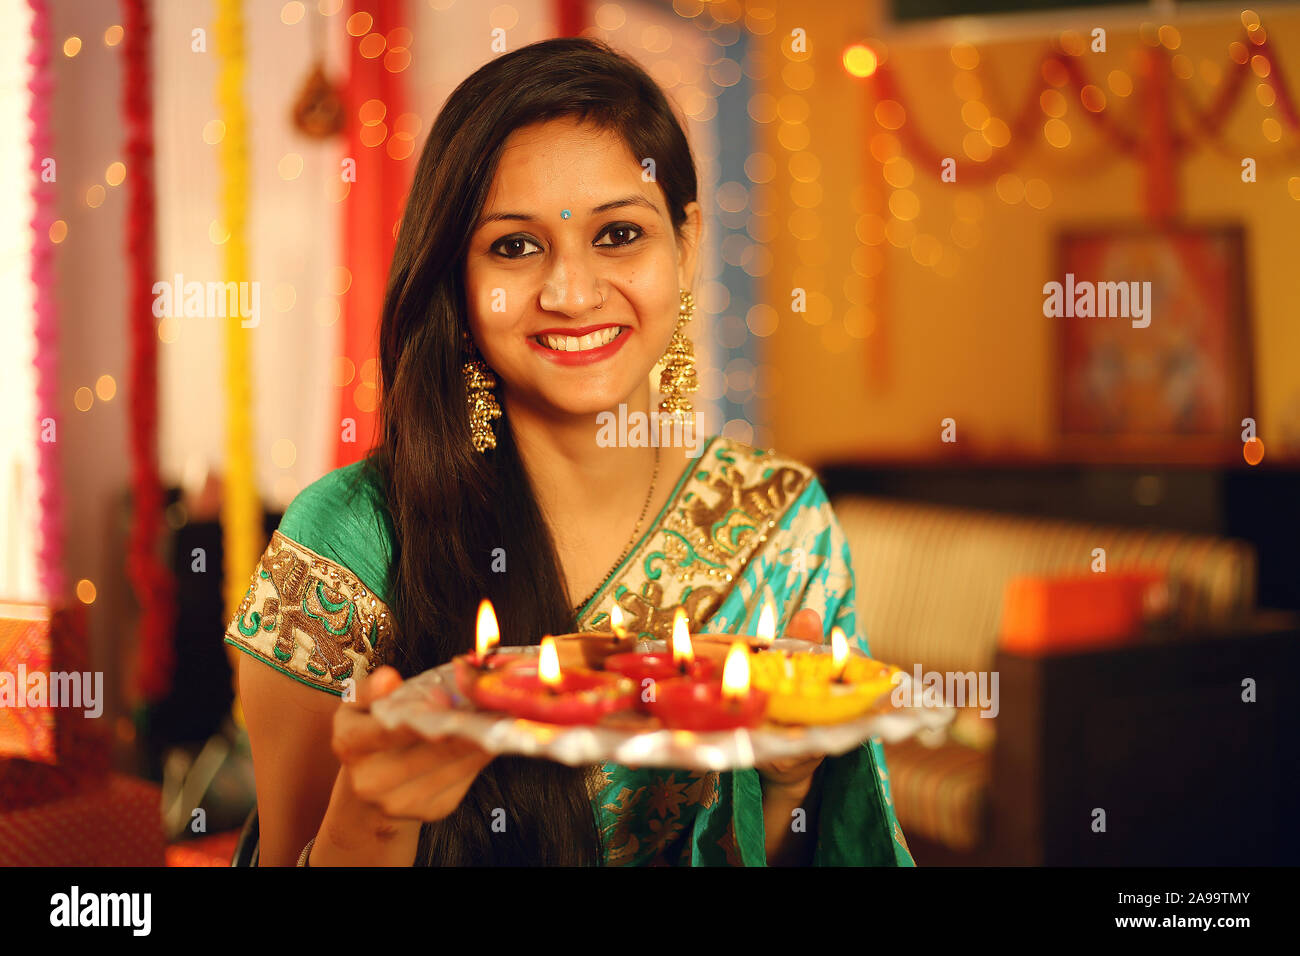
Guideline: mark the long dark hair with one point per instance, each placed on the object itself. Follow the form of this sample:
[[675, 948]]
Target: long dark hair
[[451, 506]]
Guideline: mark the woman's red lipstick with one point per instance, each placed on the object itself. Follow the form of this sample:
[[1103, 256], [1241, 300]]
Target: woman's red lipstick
[[587, 357]]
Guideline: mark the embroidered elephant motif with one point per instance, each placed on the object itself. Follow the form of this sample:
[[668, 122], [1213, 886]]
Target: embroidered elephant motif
[[735, 514], [646, 615], [307, 604]]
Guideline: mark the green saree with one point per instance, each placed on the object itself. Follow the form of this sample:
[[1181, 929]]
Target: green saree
[[742, 526]]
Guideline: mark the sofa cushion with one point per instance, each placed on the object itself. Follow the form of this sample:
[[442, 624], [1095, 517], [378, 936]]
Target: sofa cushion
[[940, 793]]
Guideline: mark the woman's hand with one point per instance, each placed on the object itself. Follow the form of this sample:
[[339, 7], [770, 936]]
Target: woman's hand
[[787, 784], [794, 776], [398, 772], [389, 782]]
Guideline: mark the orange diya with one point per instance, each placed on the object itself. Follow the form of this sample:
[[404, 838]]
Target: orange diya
[[685, 703], [808, 688], [593, 648], [545, 693], [648, 670]]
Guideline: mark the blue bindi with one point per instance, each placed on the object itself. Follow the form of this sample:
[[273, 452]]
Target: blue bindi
[[564, 214]]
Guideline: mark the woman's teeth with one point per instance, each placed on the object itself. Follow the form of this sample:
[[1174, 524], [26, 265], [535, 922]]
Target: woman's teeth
[[575, 343]]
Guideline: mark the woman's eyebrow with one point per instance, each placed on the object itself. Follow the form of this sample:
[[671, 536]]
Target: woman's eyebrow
[[603, 207]]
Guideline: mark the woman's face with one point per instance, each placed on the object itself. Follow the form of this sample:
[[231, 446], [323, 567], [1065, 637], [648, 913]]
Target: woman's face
[[534, 278]]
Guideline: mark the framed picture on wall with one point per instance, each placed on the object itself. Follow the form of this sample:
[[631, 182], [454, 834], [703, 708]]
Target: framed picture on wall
[[1154, 343]]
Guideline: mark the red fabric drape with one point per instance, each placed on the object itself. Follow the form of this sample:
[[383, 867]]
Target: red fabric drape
[[1160, 171], [371, 211], [40, 86], [150, 577], [570, 17]]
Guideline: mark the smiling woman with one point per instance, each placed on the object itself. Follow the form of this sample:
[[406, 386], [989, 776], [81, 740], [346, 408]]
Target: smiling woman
[[573, 311], [538, 279]]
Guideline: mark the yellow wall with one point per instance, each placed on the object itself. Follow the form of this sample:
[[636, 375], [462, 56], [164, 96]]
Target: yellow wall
[[975, 346]]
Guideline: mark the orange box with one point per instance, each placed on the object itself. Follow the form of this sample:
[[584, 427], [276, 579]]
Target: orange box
[[37, 638], [1043, 615]]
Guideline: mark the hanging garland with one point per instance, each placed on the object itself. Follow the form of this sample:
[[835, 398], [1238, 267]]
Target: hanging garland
[[41, 87], [926, 154], [150, 578], [1208, 122], [375, 199], [240, 509]]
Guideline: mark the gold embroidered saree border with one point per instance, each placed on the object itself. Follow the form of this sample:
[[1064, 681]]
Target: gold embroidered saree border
[[720, 518], [310, 617]]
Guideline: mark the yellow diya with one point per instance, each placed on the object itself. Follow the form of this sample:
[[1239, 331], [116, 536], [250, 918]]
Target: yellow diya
[[809, 688]]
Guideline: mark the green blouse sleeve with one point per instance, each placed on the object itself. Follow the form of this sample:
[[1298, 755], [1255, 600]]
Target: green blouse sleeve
[[316, 607], [343, 518]]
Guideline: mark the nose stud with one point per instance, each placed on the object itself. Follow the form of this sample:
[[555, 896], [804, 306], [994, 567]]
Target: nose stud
[[564, 214]]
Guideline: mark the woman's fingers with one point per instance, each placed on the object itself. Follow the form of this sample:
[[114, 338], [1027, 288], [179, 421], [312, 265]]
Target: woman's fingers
[[806, 625], [384, 680], [419, 781], [793, 764], [390, 767], [789, 772], [356, 732], [435, 794], [401, 773], [380, 683]]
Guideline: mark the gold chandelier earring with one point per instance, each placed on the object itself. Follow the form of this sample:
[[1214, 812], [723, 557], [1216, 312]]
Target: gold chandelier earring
[[482, 403], [678, 379]]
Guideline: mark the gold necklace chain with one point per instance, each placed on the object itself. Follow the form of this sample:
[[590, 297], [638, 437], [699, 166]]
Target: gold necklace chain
[[636, 533]]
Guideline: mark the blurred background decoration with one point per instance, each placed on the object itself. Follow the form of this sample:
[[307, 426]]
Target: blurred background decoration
[[888, 188]]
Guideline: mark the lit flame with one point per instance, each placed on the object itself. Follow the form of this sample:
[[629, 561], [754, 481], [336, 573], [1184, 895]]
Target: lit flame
[[767, 623], [735, 672], [487, 634], [683, 653], [548, 663], [616, 622], [839, 651]]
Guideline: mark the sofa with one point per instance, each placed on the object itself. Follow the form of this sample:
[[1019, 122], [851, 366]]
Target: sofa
[[930, 585]]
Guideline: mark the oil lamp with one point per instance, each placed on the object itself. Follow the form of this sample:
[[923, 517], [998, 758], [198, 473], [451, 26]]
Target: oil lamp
[[590, 649], [487, 636], [820, 688], [683, 703], [647, 671], [546, 693]]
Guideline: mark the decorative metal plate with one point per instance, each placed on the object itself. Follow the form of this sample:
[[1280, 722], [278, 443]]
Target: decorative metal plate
[[638, 740]]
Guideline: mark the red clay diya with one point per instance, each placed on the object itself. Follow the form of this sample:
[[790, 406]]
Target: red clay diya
[[650, 672], [658, 668], [545, 693], [470, 667], [684, 703]]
